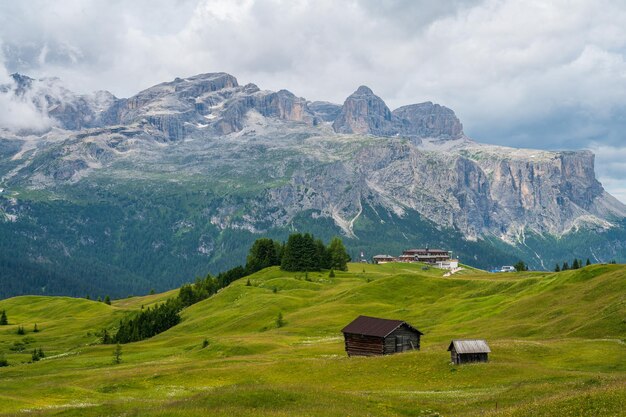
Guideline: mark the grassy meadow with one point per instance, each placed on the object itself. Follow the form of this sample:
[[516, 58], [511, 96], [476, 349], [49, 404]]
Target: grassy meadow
[[557, 339]]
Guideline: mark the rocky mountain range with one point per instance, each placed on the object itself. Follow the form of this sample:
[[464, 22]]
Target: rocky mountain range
[[197, 167]]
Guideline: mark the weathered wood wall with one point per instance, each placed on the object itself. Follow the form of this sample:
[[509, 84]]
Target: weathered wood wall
[[459, 358], [411, 340], [360, 345]]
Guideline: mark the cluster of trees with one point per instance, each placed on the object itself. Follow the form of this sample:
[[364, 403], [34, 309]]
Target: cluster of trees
[[520, 266], [37, 355], [147, 323], [301, 252], [577, 264]]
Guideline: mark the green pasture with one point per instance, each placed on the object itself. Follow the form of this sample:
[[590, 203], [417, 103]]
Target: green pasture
[[557, 339]]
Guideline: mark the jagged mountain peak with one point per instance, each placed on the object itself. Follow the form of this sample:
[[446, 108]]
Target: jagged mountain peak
[[363, 90], [363, 112]]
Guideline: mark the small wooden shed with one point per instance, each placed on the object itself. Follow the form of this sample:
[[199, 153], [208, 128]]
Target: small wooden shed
[[466, 351], [370, 336]]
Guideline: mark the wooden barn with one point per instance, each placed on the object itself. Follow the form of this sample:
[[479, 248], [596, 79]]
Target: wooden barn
[[466, 351], [370, 336]]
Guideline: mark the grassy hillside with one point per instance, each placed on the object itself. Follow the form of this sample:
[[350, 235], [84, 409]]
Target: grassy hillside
[[557, 340]]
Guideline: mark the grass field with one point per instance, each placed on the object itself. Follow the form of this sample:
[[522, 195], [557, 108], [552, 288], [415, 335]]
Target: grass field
[[558, 348]]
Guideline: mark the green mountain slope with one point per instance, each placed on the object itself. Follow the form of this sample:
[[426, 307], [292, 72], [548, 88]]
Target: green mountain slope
[[557, 340]]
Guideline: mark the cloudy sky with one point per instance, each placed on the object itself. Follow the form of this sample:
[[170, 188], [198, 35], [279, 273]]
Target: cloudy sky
[[524, 73]]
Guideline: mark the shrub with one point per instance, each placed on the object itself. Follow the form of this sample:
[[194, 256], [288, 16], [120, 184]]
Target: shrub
[[279, 320]]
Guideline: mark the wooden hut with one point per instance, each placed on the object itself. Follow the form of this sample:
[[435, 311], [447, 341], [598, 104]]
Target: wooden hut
[[370, 336], [466, 351]]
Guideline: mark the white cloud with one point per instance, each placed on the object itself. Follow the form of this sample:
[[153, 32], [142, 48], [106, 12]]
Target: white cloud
[[19, 113]]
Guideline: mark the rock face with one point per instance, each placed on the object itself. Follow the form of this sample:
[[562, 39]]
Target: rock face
[[363, 112], [284, 145], [427, 120], [324, 110]]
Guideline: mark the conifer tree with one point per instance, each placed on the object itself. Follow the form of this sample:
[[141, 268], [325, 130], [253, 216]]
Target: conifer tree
[[117, 354], [3, 318], [588, 262], [36, 329], [520, 266], [107, 300], [565, 266], [557, 268], [20, 330], [338, 254], [106, 337], [263, 253], [301, 253], [575, 264]]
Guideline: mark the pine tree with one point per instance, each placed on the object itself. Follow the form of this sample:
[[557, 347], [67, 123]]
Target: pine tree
[[151, 291], [20, 330], [117, 354], [520, 266], [263, 254], [35, 356], [588, 262], [557, 269], [35, 329], [248, 283], [107, 300], [575, 264], [338, 255], [301, 253], [106, 337], [3, 318], [565, 266]]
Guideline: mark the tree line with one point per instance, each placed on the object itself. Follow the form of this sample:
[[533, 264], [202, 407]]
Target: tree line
[[576, 264], [301, 252]]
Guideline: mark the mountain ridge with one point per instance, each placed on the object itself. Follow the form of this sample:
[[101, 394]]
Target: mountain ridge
[[246, 161]]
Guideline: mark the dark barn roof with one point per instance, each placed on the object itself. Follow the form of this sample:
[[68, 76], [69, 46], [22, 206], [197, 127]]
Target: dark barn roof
[[469, 346], [372, 326]]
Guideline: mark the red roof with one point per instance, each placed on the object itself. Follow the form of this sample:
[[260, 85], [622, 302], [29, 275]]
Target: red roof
[[372, 326]]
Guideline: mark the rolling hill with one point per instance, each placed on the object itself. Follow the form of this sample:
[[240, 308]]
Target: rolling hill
[[558, 342]]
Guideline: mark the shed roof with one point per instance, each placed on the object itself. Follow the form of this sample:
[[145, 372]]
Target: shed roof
[[470, 346], [373, 326]]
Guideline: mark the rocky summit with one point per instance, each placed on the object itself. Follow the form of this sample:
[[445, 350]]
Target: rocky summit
[[186, 173]]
